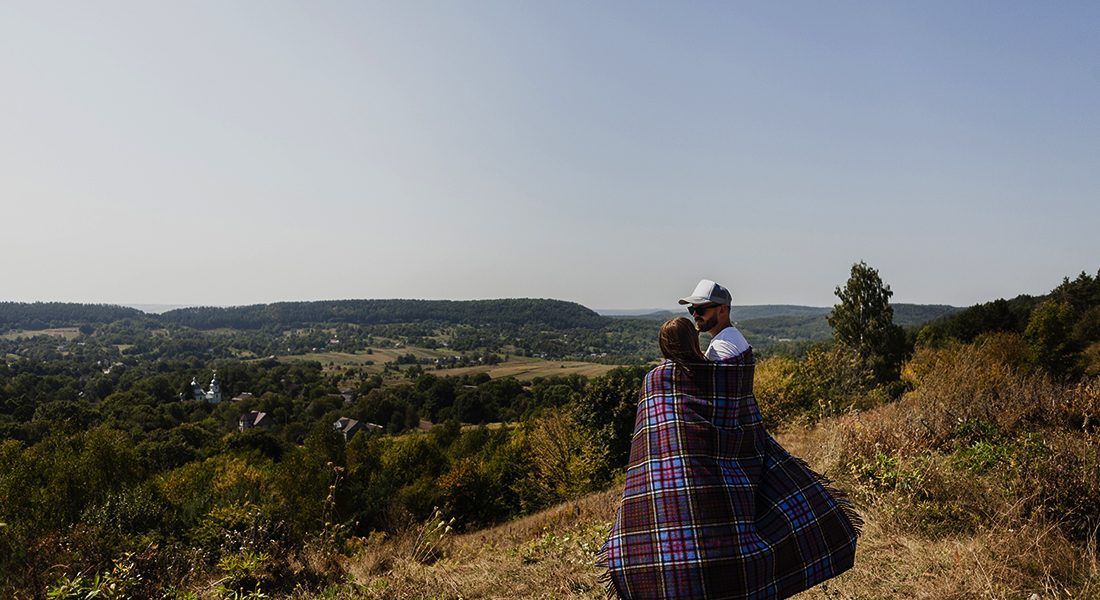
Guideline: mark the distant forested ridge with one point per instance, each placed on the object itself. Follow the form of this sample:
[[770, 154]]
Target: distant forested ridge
[[904, 314], [43, 315], [911, 315], [513, 312], [557, 314], [744, 312], [517, 312], [987, 317]]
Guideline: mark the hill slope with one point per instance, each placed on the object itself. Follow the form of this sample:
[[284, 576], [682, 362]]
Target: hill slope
[[551, 554]]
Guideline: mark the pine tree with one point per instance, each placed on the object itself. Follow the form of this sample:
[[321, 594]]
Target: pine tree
[[863, 320]]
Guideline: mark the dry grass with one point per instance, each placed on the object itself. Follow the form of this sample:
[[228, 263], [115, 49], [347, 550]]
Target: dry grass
[[982, 482], [551, 554], [527, 369], [524, 369], [68, 333], [368, 363], [1005, 557], [546, 555]]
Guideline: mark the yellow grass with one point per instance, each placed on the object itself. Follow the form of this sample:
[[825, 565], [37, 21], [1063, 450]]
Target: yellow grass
[[359, 360], [546, 555], [521, 368], [527, 369], [551, 554], [68, 333]]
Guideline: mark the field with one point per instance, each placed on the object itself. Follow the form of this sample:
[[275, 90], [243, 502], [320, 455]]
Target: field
[[369, 363], [521, 368], [529, 368], [67, 333]]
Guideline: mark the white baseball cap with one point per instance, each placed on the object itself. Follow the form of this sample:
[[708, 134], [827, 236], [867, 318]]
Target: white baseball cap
[[708, 292]]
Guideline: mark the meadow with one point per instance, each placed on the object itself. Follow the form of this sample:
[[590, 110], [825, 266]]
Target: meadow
[[66, 333]]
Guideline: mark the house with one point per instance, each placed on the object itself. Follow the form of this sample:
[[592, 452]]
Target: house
[[348, 427], [254, 419], [243, 396]]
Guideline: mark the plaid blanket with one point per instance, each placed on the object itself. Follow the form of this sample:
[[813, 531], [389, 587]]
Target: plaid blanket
[[713, 506]]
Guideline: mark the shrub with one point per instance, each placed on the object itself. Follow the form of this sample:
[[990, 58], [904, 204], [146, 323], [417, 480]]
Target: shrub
[[1063, 482], [469, 495], [982, 437], [564, 461], [772, 385], [829, 381]]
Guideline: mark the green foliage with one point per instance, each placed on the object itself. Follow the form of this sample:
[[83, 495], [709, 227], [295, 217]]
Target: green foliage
[[229, 527], [605, 411], [563, 459], [510, 312], [1048, 337], [863, 320], [43, 315], [1062, 328], [997, 316], [980, 447], [827, 382], [772, 387], [245, 572], [886, 472], [303, 479], [121, 582]]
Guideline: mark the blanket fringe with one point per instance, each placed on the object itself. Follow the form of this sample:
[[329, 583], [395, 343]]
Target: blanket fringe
[[843, 499], [610, 592]]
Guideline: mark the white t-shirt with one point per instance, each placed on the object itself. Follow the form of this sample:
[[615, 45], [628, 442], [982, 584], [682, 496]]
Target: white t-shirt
[[728, 343]]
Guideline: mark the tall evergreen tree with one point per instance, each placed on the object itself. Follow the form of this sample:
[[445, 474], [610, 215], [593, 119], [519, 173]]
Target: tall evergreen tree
[[863, 320]]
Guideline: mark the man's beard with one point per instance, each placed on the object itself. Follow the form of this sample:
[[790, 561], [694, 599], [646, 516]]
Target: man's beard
[[706, 324]]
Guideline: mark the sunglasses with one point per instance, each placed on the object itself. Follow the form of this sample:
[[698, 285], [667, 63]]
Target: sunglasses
[[702, 308]]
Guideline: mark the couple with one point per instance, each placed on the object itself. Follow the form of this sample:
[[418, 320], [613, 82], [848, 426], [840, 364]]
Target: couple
[[713, 506]]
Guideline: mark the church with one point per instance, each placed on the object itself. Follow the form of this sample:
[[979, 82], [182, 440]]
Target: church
[[213, 395]]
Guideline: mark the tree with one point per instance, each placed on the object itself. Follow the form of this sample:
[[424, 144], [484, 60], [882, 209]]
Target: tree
[[605, 410], [863, 320], [1048, 339]]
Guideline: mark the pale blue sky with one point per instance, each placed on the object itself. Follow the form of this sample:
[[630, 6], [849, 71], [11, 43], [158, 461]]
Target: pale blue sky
[[609, 153]]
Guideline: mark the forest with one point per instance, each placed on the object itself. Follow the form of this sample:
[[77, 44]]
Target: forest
[[119, 482]]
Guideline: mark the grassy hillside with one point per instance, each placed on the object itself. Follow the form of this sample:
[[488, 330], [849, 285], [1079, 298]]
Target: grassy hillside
[[979, 482], [941, 532]]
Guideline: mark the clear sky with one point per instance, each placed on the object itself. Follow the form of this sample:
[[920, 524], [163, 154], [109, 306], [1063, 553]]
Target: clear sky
[[608, 153]]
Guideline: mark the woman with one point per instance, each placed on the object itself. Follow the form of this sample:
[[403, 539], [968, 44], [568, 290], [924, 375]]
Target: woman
[[713, 507], [679, 341]]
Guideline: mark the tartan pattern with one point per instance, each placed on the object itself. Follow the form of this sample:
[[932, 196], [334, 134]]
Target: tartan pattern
[[713, 506]]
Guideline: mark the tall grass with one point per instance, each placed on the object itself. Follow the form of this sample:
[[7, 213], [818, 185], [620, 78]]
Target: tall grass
[[986, 459]]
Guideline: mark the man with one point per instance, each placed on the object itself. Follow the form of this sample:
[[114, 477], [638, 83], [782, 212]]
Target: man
[[709, 304]]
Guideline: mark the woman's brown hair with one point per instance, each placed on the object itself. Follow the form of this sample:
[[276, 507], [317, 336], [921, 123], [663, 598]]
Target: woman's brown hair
[[679, 341]]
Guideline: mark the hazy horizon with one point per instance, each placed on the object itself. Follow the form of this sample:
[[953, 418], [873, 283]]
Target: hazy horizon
[[609, 154], [159, 308]]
